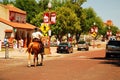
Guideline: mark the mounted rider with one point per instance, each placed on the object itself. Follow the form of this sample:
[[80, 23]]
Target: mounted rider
[[36, 37]]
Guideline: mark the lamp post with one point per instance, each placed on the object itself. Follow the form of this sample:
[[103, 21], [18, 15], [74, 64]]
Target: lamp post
[[49, 7], [94, 31], [49, 21]]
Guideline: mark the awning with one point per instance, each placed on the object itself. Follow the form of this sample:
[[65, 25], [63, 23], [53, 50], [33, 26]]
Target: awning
[[8, 31], [17, 25]]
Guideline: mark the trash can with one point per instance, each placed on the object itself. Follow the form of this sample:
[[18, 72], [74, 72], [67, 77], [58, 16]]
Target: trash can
[[47, 50], [46, 40]]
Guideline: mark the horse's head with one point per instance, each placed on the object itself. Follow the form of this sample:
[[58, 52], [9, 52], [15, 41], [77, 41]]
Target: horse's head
[[42, 39], [45, 40]]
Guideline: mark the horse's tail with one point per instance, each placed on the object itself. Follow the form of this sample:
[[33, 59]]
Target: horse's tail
[[29, 49]]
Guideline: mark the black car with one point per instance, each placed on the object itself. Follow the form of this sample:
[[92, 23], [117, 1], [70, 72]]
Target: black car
[[112, 48], [65, 47], [82, 45]]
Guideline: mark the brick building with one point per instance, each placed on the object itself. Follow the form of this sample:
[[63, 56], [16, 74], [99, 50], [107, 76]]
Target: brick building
[[13, 24]]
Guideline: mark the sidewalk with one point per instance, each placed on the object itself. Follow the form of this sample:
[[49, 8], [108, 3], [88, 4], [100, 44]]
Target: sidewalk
[[17, 53]]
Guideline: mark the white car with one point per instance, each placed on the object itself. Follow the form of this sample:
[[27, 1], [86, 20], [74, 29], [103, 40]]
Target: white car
[[82, 45]]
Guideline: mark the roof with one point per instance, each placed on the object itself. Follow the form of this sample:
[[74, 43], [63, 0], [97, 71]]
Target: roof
[[9, 30], [12, 8], [17, 25]]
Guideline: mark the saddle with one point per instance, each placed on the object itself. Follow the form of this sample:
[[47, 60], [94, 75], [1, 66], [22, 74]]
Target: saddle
[[41, 44]]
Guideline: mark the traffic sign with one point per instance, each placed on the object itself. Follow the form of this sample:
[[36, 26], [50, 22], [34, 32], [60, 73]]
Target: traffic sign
[[109, 32], [94, 34], [44, 28]]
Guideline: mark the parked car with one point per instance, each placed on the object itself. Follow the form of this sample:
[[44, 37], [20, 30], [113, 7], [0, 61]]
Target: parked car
[[65, 47], [82, 45], [112, 48]]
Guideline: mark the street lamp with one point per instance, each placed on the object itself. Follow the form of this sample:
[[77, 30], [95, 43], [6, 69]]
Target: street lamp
[[94, 30], [49, 5], [49, 32]]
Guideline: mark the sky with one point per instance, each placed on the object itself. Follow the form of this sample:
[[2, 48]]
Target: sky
[[106, 9]]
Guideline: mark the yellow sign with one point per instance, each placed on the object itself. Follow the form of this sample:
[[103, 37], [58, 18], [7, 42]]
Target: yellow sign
[[44, 27], [94, 34]]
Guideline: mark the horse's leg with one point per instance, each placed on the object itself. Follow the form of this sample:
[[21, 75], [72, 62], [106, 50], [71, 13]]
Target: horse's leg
[[35, 58], [41, 63], [29, 59]]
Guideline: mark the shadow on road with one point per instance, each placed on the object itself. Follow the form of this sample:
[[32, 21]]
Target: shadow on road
[[113, 60]]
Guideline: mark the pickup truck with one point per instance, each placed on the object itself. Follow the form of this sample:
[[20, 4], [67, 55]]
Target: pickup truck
[[112, 48]]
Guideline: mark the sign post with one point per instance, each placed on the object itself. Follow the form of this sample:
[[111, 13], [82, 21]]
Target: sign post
[[49, 18], [94, 31], [109, 34]]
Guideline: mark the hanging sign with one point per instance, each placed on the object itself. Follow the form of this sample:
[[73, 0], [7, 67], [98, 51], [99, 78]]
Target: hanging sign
[[46, 17], [53, 17]]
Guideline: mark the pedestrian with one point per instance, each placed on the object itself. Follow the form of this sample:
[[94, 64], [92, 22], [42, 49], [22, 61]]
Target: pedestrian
[[21, 45], [14, 43], [58, 42]]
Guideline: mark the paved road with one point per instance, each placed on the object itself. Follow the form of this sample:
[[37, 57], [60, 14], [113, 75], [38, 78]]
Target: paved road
[[82, 65]]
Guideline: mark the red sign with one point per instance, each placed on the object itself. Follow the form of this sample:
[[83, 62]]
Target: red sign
[[117, 34], [46, 17], [50, 16], [94, 29], [109, 32], [53, 17]]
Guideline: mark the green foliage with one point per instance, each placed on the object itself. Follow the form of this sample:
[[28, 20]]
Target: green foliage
[[71, 17], [76, 7], [91, 17], [67, 20], [114, 29], [7, 1], [43, 5], [37, 20]]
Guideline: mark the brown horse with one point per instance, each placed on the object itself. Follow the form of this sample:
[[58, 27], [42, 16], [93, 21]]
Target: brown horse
[[34, 48]]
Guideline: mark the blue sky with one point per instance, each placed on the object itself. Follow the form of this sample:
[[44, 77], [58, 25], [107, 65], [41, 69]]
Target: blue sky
[[106, 9]]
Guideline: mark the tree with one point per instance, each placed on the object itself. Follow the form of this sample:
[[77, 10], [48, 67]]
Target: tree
[[38, 19], [114, 29], [67, 21], [43, 5], [91, 17], [7, 1], [78, 10]]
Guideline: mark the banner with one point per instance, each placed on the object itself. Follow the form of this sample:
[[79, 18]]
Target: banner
[[46, 17], [53, 17]]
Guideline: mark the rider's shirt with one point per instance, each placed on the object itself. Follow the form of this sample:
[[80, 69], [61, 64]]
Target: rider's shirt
[[37, 35]]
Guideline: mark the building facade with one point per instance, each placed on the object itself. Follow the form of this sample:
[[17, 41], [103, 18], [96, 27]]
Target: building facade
[[13, 24]]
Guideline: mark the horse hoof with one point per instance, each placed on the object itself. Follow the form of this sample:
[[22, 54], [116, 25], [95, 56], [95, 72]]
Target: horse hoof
[[28, 65], [41, 64]]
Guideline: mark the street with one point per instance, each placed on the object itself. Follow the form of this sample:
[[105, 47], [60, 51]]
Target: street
[[81, 65]]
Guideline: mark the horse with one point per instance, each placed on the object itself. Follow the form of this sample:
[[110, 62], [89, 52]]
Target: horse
[[34, 48]]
